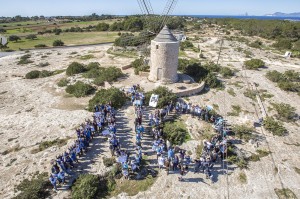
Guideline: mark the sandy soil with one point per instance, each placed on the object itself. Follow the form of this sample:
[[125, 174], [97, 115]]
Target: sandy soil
[[32, 111]]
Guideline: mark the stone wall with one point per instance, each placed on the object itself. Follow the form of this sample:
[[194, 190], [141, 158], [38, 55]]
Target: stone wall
[[191, 91]]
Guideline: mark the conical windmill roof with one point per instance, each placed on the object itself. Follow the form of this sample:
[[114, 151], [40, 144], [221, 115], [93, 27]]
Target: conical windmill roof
[[165, 35]]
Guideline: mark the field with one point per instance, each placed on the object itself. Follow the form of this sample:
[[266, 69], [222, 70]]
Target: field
[[22, 29], [67, 38]]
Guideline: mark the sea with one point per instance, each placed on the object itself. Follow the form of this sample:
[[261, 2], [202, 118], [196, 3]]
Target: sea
[[247, 17]]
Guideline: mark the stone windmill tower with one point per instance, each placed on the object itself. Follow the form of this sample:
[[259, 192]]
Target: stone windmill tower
[[164, 57]]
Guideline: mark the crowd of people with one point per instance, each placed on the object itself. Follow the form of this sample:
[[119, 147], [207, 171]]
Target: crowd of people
[[169, 157]]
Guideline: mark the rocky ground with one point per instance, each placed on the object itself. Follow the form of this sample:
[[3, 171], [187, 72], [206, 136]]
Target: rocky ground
[[32, 111]]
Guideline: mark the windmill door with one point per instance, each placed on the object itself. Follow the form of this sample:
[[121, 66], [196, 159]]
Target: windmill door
[[159, 73]]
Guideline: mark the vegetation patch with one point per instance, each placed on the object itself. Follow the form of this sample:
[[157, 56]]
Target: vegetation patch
[[226, 72], [43, 64], [297, 170], [236, 110], [242, 178], [25, 60], [40, 46], [254, 64], [176, 132], [63, 82], [285, 112], [41, 74], [234, 158], [75, 68], [37, 187], [139, 65], [250, 94], [107, 75], [80, 89], [86, 57], [243, 132], [165, 96], [58, 43], [104, 96], [285, 193], [231, 92], [287, 81], [47, 144], [275, 127], [108, 162]]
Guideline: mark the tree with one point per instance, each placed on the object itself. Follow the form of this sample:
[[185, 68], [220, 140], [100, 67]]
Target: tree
[[14, 38], [102, 27], [165, 96], [58, 43], [254, 64], [283, 44], [31, 36], [80, 89]]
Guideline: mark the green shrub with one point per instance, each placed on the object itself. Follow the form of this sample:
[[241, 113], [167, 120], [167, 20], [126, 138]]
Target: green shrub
[[63, 82], [58, 43], [250, 94], [231, 92], [212, 81], [243, 132], [108, 161], [212, 67], [88, 186], [275, 127], [103, 96], [75, 68], [107, 75], [165, 96], [31, 36], [33, 74], [274, 76], [243, 178], [186, 44], [226, 72], [80, 89], [47, 144], [40, 46], [45, 73], [93, 65], [25, 60], [256, 44], [236, 110], [283, 44], [139, 65], [175, 132], [285, 193], [86, 57], [254, 64], [36, 188], [285, 112]]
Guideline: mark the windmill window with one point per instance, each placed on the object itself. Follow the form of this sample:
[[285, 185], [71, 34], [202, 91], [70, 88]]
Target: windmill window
[[156, 47]]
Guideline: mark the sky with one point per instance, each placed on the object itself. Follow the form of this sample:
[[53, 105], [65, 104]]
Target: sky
[[128, 7]]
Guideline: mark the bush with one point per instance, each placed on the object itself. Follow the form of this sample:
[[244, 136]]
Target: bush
[[285, 111], [212, 81], [33, 74], [103, 96], [75, 68], [139, 65], [40, 46], [275, 127], [250, 94], [186, 44], [25, 60], [58, 43], [102, 27], [86, 57], [14, 38], [274, 76], [31, 36], [108, 161], [80, 89], [93, 65], [37, 187], [283, 44], [107, 75], [243, 132], [175, 132], [63, 82], [165, 96], [256, 44], [254, 64], [226, 72], [88, 186]]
